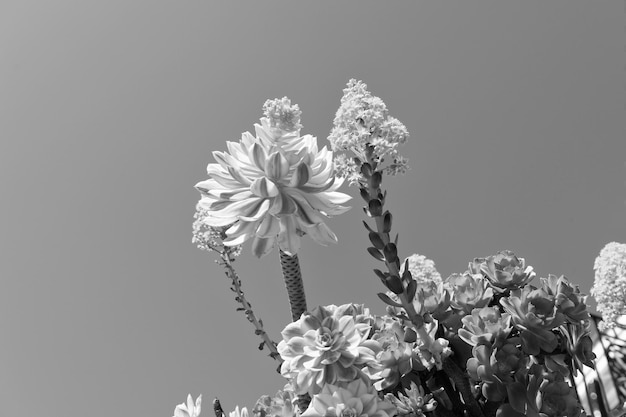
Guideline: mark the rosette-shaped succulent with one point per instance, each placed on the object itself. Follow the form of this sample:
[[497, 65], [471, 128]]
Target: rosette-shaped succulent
[[321, 348], [422, 269], [274, 187], [469, 291], [414, 404], [505, 270], [494, 368], [394, 360], [352, 399], [280, 405], [609, 287], [430, 298], [568, 298], [485, 326], [535, 314], [190, 409], [538, 393]]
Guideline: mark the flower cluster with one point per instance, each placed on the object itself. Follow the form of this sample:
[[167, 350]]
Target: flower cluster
[[363, 128], [273, 187], [609, 287]]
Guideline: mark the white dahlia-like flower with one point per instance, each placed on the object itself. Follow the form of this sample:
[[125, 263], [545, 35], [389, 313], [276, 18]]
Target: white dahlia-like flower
[[190, 409], [323, 348], [352, 399], [609, 288], [274, 187], [422, 269]]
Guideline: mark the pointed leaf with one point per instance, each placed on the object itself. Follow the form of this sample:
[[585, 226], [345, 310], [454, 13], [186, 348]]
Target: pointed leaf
[[376, 253], [387, 300]]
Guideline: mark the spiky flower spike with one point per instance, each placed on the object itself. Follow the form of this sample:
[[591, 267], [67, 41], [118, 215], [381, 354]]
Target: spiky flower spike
[[609, 288]]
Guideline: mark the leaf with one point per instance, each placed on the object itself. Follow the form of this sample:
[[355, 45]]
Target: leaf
[[375, 207], [387, 222], [365, 195], [376, 253], [411, 289], [376, 240], [387, 300], [367, 226]]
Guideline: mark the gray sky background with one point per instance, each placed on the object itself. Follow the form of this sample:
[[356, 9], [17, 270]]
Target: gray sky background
[[109, 112]]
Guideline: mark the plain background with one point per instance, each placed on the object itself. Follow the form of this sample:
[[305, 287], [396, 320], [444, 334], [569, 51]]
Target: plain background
[[109, 112]]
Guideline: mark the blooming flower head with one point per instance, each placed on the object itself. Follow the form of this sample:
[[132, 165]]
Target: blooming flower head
[[361, 122], [351, 399], [422, 269], [273, 188], [609, 288], [323, 348], [505, 270], [190, 409]]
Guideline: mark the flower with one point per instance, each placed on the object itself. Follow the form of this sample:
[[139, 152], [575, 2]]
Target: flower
[[422, 269], [352, 399], [414, 404], [469, 291], [609, 287], [361, 122], [506, 271], [190, 409], [274, 188], [323, 348], [282, 115], [535, 314], [485, 326], [239, 413], [207, 237]]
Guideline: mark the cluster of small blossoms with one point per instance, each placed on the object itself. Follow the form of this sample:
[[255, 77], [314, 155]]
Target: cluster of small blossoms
[[364, 130], [274, 187], [422, 269], [609, 287], [207, 237]]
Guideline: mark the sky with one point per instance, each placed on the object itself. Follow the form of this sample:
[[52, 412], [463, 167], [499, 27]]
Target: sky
[[109, 112]]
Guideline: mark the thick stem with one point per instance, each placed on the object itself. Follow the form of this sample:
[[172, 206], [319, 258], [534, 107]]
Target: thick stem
[[462, 384], [293, 282]]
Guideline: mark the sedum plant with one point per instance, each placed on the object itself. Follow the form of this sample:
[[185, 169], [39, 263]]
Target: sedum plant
[[487, 341]]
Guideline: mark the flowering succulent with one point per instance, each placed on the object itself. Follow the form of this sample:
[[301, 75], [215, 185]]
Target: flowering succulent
[[505, 270], [190, 409], [351, 399], [273, 188], [422, 269], [494, 368], [609, 287], [362, 124], [321, 348], [414, 404], [468, 291], [485, 326], [536, 314]]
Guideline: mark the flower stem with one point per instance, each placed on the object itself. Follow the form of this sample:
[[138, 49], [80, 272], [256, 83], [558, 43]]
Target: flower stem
[[246, 307], [293, 282]]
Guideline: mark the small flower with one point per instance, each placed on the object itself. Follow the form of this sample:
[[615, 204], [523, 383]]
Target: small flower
[[323, 348], [282, 115], [352, 399], [469, 291], [190, 409], [422, 269], [414, 404], [609, 287], [535, 313], [485, 326], [274, 188], [207, 237], [362, 122], [507, 271], [239, 413]]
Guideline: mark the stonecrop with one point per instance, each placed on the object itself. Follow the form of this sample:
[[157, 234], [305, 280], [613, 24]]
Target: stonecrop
[[609, 287], [273, 187]]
